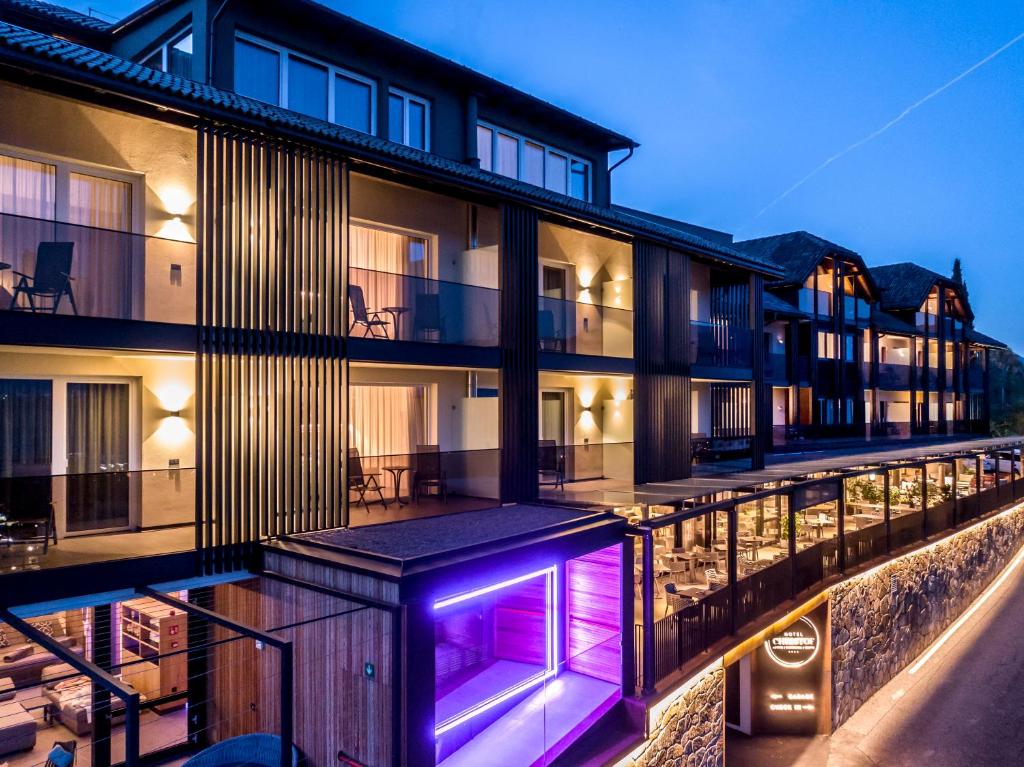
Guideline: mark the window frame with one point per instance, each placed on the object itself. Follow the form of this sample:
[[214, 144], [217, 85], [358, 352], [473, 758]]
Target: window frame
[[164, 48], [284, 57], [522, 140], [64, 167], [423, 101]]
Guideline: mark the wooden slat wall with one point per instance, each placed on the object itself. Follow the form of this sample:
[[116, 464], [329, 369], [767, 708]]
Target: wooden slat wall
[[271, 410], [336, 706], [661, 383], [519, 394], [760, 416]]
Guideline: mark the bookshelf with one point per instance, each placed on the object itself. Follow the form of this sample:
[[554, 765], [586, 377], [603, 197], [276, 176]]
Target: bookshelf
[[156, 634]]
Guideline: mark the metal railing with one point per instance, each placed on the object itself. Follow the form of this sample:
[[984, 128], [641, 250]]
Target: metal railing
[[765, 548]]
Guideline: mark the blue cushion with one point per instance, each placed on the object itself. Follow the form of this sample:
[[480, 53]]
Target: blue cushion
[[59, 757]]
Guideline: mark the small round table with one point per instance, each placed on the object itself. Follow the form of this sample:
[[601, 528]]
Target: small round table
[[396, 313], [396, 473]]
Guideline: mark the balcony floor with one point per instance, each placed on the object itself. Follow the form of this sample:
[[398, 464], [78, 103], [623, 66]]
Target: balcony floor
[[104, 547]]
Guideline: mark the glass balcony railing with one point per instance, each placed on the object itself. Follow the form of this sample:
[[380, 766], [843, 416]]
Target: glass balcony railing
[[50, 267], [719, 345], [809, 300], [400, 307], [856, 311], [577, 328], [49, 521], [775, 366], [591, 466], [893, 376]]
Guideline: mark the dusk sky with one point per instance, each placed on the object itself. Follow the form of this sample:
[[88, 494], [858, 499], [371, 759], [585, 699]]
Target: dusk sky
[[734, 102]]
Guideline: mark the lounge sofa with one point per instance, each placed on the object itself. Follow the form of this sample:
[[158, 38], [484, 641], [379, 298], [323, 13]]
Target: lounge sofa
[[69, 700], [26, 669], [17, 728]]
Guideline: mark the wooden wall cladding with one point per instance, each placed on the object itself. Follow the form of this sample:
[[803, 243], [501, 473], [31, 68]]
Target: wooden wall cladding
[[271, 410], [338, 707], [594, 614]]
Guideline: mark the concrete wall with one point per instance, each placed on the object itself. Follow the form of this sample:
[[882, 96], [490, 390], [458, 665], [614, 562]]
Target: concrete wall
[[884, 619], [688, 731]]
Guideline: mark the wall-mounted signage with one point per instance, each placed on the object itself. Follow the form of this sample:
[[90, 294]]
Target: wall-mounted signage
[[797, 646]]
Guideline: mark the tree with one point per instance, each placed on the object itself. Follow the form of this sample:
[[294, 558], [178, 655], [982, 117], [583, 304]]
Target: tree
[[958, 278]]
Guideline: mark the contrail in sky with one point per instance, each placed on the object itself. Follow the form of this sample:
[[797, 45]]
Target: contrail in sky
[[899, 118]]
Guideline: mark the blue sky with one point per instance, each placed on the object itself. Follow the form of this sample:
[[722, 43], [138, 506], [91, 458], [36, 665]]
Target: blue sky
[[733, 102]]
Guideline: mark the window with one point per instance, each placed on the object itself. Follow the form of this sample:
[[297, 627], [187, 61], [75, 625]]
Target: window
[[173, 56], [276, 75], [522, 158], [409, 119]]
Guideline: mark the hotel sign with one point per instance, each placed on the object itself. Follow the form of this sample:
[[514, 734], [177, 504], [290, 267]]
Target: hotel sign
[[797, 646]]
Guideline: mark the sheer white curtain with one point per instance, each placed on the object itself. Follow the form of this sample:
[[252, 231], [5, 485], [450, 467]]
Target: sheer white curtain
[[386, 423], [387, 257], [102, 265], [28, 190]]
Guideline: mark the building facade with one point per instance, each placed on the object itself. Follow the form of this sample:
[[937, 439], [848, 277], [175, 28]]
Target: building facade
[[268, 276]]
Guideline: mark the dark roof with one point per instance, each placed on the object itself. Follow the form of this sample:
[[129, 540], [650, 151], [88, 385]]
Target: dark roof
[[59, 14], [772, 303], [889, 323], [983, 340], [701, 231], [25, 48], [795, 253], [905, 286], [429, 537]]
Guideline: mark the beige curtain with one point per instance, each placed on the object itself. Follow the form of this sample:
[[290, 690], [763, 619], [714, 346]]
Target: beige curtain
[[28, 204], [386, 423], [102, 259], [383, 263]]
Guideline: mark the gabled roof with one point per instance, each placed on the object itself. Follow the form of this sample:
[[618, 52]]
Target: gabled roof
[[772, 303], [983, 340], [889, 323], [906, 285], [50, 12], [27, 49], [798, 253], [701, 231]]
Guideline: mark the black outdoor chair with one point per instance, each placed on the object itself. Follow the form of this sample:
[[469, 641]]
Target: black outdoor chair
[[427, 322], [49, 283], [71, 746], [370, 321], [26, 506], [551, 464], [362, 482], [428, 473]]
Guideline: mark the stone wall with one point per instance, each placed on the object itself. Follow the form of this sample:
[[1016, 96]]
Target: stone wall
[[879, 625], [690, 732]]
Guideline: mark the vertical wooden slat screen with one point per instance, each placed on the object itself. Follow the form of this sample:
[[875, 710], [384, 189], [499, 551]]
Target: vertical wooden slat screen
[[760, 416], [270, 364], [518, 348], [661, 342]]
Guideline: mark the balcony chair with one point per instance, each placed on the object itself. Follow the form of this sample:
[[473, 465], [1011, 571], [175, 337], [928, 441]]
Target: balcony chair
[[550, 464], [51, 279], [370, 321], [427, 322], [550, 339], [427, 472], [26, 511], [363, 482]]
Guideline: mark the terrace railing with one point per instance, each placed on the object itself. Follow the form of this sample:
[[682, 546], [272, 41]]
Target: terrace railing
[[768, 547], [720, 345], [91, 272], [574, 327]]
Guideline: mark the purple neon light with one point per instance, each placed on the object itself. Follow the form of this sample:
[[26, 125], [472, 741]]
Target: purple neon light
[[550, 652]]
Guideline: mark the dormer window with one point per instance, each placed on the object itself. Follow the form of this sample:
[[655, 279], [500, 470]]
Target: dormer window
[[409, 119], [173, 56], [279, 76], [510, 154]]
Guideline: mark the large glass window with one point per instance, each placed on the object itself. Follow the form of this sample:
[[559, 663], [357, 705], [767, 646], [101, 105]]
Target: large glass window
[[274, 74], [526, 159], [307, 87], [27, 188], [173, 56], [409, 119], [257, 71]]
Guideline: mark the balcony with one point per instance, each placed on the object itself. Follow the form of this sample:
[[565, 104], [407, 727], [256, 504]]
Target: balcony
[[975, 376], [572, 327], [814, 302], [55, 268], [719, 345], [59, 520], [775, 368], [563, 470], [399, 307], [893, 376], [856, 311]]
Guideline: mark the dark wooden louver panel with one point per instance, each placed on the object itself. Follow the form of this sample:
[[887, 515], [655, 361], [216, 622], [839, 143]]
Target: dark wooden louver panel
[[761, 415], [519, 407], [270, 368], [661, 384]]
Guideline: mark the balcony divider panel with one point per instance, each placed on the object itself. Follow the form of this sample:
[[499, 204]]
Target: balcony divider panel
[[270, 377], [519, 430], [661, 348]]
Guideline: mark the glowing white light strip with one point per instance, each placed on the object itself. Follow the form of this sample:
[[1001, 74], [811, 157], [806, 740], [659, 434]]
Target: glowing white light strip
[[959, 622], [550, 645]]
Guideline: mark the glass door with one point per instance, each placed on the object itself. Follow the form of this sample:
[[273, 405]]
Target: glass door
[[98, 445]]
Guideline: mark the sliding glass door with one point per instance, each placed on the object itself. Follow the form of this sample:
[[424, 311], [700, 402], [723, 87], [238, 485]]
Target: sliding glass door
[[98, 455]]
